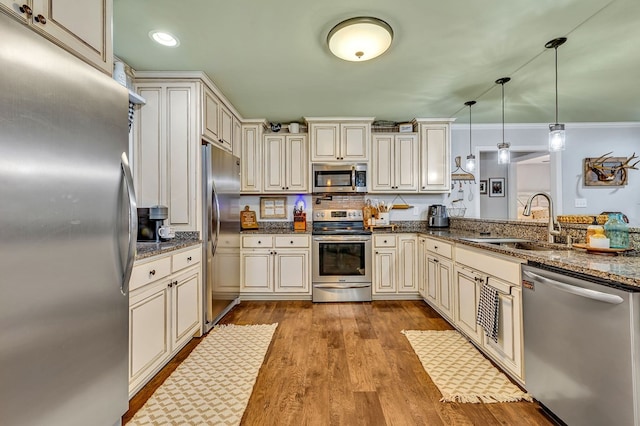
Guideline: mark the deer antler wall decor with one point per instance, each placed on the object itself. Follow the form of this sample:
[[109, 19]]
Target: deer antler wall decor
[[607, 170]]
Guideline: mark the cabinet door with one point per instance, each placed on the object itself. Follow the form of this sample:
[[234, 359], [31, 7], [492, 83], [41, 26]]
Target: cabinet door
[[291, 271], [354, 142], [434, 158], [251, 177], [256, 273], [508, 349], [445, 288], [296, 163], [432, 280], [181, 161], [237, 138], [84, 28], [149, 146], [384, 271], [210, 116], [274, 164], [467, 290], [12, 8], [407, 264], [406, 163], [148, 331], [383, 163], [324, 140], [422, 266], [186, 305], [225, 127]]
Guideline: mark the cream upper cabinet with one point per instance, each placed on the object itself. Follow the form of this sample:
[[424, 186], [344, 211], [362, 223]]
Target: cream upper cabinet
[[394, 163], [237, 137], [225, 127], [166, 150], [251, 164], [339, 140], [82, 28], [285, 163], [435, 155]]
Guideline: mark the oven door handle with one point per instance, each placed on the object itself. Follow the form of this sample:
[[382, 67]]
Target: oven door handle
[[344, 238], [340, 287]]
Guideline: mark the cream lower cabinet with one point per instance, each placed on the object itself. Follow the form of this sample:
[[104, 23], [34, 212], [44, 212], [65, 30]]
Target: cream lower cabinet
[[285, 163], [439, 276], [84, 29], [165, 311], [395, 265], [394, 163], [273, 266], [473, 269]]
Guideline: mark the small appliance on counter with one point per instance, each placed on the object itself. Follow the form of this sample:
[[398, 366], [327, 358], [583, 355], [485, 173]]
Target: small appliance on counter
[[151, 224], [437, 216]]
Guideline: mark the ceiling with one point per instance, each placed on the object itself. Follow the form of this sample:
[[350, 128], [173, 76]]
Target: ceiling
[[271, 61]]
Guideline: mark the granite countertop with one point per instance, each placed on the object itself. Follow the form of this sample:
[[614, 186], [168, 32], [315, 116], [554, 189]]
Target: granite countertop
[[148, 249], [275, 231], [622, 268]]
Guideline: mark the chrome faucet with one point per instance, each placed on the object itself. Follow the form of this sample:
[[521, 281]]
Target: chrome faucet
[[553, 222]]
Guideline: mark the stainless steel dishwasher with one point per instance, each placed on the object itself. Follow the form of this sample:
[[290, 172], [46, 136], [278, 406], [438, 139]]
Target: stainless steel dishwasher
[[582, 346]]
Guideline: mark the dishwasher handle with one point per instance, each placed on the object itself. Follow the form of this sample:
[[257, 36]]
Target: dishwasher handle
[[578, 291]]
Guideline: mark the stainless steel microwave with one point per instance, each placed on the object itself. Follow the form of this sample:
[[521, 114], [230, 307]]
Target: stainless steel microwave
[[341, 178]]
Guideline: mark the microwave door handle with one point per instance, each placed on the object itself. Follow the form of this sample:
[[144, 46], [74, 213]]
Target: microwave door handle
[[353, 178]]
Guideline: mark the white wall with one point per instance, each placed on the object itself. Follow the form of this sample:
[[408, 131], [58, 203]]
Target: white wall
[[583, 140]]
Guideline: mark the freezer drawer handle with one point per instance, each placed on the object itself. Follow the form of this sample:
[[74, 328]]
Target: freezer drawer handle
[[578, 291]]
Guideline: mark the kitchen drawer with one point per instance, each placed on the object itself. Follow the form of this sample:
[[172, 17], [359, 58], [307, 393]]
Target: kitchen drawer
[[232, 241], [186, 258], [145, 273], [292, 241], [440, 247], [257, 241], [490, 264], [384, 240]]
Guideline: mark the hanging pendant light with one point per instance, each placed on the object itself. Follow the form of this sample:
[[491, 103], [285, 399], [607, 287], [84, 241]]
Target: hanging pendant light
[[556, 131], [471, 159], [504, 155]]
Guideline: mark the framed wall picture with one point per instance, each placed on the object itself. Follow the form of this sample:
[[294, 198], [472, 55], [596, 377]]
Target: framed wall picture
[[273, 207], [483, 187], [496, 187]]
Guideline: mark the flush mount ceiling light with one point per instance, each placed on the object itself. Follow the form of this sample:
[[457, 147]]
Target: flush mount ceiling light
[[360, 39], [504, 156], [471, 159], [164, 38], [556, 131]]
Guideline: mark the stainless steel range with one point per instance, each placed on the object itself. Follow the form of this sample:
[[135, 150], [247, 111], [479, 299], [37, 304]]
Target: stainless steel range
[[341, 257]]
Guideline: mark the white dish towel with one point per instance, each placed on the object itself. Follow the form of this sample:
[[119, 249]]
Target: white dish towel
[[489, 311]]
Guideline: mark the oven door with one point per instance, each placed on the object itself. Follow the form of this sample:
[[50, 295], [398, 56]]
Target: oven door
[[342, 259]]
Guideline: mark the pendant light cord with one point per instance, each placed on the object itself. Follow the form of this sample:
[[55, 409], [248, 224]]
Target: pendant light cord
[[470, 129], [502, 111], [556, 49]]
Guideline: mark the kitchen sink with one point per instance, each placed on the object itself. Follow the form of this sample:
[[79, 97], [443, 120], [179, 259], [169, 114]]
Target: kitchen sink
[[517, 243], [496, 240]]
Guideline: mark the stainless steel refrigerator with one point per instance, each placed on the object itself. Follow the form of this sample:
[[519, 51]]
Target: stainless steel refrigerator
[[221, 232], [67, 236]]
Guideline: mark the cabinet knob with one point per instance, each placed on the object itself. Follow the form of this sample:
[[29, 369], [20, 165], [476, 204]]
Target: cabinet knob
[[152, 272], [435, 247], [377, 253], [41, 19], [259, 242], [170, 284], [189, 259], [291, 241], [275, 252], [26, 10], [385, 241]]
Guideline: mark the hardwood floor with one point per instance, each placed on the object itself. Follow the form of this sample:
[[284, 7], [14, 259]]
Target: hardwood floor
[[348, 364]]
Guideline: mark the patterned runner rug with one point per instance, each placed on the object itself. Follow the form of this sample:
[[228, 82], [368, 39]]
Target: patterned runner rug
[[461, 373], [213, 385]]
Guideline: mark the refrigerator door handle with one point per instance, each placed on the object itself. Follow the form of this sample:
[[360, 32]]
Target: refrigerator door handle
[[215, 204], [133, 224], [578, 291]]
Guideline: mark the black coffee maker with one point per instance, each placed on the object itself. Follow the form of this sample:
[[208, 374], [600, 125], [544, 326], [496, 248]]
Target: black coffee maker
[[437, 216], [150, 219]]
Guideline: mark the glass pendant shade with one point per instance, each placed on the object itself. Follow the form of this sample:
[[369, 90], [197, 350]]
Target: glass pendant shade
[[556, 137], [504, 155], [360, 39], [470, 165]]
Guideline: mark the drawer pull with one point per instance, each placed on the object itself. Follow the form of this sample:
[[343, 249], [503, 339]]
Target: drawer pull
[[189, 259], [152, 272], [385, 241], [41, 19], [26, 10]]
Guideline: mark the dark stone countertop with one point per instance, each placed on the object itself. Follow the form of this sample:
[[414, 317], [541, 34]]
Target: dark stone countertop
[[148, 249]]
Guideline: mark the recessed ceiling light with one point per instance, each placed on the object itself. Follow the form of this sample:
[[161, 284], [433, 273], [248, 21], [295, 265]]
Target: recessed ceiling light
[[164, 38]]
